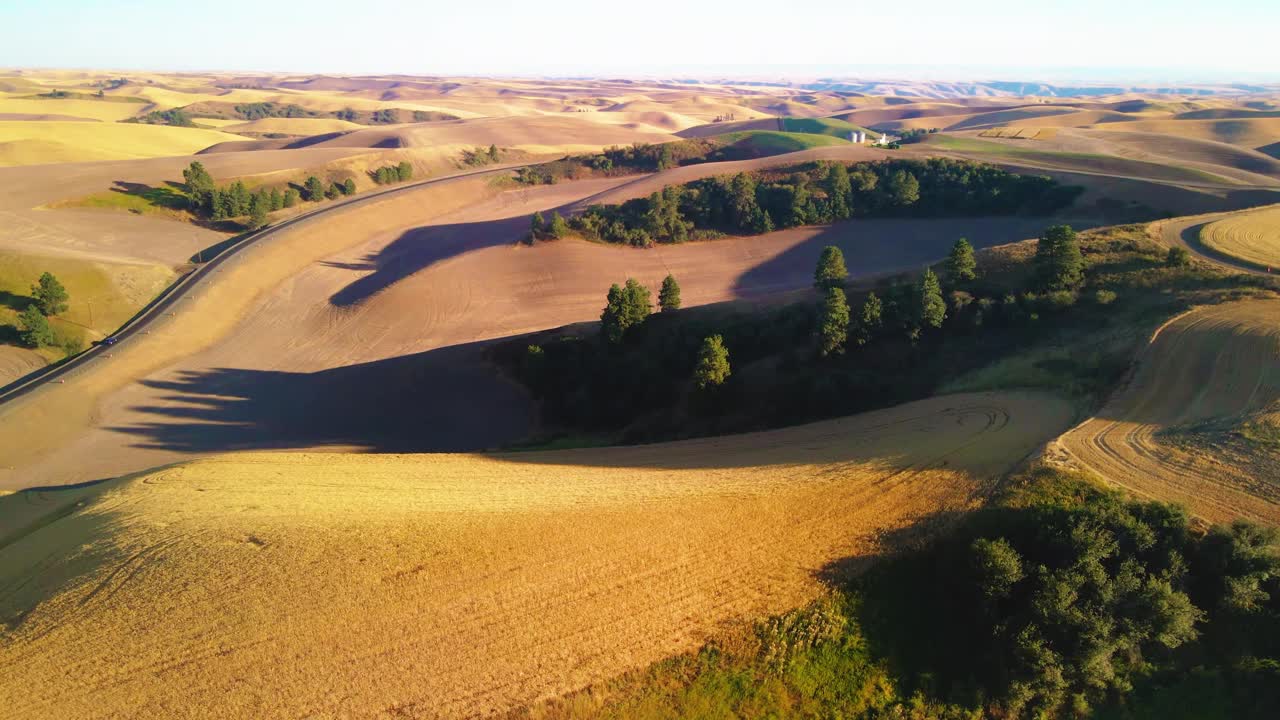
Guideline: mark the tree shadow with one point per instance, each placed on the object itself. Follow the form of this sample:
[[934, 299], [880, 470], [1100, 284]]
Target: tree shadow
[[169, 197], [884, 246], [441, 400], [420, 248], [10, 335], [15, 302]]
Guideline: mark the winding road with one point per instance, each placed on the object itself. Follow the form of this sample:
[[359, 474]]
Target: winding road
[[191, 282]]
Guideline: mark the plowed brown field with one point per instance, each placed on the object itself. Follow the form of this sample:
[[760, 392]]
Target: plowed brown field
[[324, 585], [1213, 366]]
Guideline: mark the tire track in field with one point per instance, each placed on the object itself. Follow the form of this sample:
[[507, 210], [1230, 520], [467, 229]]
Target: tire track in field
[[1213, 367]]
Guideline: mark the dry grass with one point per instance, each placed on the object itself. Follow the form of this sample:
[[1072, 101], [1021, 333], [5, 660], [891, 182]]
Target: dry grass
[[1214, 367], [1250, 236], [105, 111], [457, 585], [41, 142], [103, 295]]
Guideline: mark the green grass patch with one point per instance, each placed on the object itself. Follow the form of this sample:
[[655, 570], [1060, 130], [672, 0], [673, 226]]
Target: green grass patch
[[761, 143], [821, 126], [103, 296], [138, 199], [1261, 433]]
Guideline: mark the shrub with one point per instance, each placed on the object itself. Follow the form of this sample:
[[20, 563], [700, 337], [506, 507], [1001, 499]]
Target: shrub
[[1178, 257], [1104, 297]]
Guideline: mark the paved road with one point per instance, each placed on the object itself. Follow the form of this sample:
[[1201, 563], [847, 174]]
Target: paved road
[[187, 284]]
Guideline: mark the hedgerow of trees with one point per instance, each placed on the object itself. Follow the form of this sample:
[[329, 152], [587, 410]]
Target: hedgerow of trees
[[217, 203], [844, 352], [637, 158], [391, 174], [753, 203]]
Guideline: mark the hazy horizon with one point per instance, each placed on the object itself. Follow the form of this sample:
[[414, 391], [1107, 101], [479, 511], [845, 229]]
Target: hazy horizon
[[1090, 41]]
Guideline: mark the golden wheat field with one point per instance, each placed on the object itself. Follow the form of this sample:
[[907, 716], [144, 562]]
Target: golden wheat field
[[323, 585], [1250, 236], [39, 142], [1214, 369]]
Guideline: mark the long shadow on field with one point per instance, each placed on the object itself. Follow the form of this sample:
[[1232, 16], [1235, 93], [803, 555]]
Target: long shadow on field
[[420, 248], [879, 246], [440, 400]]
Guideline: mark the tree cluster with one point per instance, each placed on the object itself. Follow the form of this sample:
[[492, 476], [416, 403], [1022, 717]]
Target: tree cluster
[[1057, 609], [479, 157], [753, 203], [847, 352], [614, 161], [260, 110], [49, 298], [176, 117], [235, 200], [391, 174]]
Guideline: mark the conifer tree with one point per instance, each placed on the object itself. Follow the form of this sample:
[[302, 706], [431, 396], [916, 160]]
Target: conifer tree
[[713, 363], [51, 297], [1059, 263], [933, 308], [669, 296], [33, 328], [961, 266], [871, 319], [833, 330], [830, 271]]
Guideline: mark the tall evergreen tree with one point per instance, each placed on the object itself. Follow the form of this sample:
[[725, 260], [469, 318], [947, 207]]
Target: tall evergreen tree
[[669, 296], [871, 319], [537, 226], [33, 328], [51, 297], [291, 197], [833, 329], [277, 199], [839, 191], [744, 210], [404, 171], [1059, 264], [903, 188], [961, 265], [933, 308], [200, 186], [713, 363], [348, 187], [313, 189], [830, 271]]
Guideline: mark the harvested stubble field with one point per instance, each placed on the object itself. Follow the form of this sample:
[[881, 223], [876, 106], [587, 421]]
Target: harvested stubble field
[[1253, 237], [321, 585], [1206, 372]]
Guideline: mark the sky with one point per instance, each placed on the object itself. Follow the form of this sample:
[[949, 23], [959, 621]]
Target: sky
[[1113, 40]]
